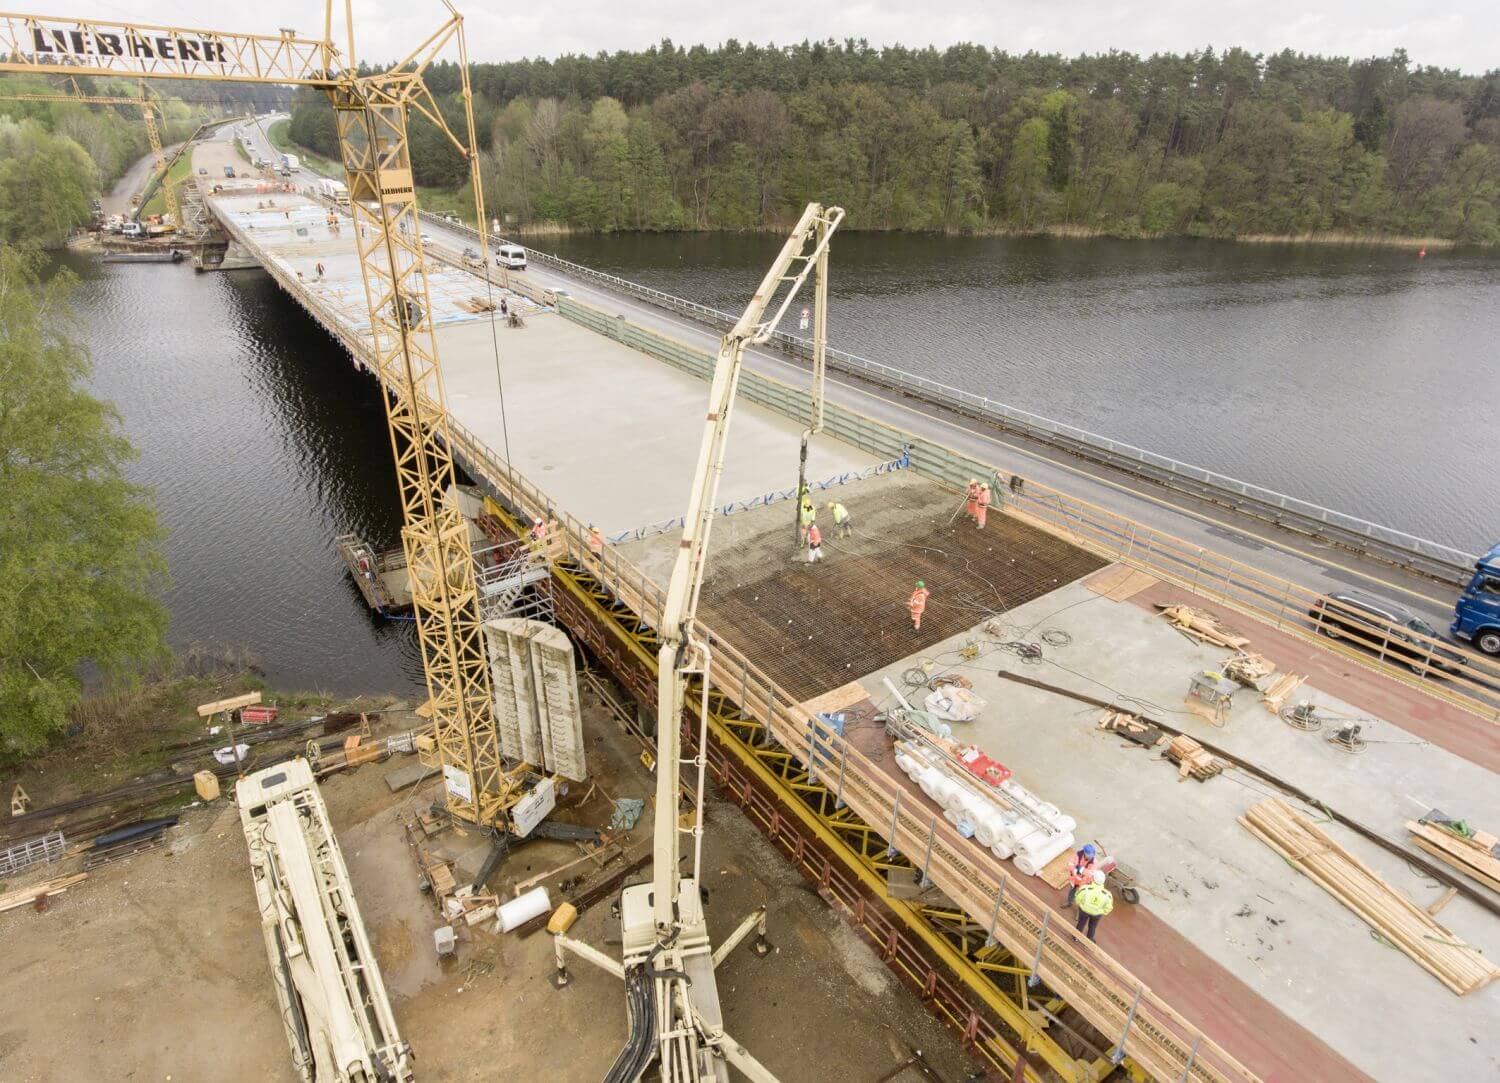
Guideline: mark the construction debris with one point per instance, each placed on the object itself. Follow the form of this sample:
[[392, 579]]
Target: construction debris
[[1476, 855], [1203, 626], [1392, 915], [1277, 692], [1192, 759]]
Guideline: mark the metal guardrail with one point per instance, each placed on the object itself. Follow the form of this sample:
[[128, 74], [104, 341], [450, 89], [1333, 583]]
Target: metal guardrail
[[1410, 551]]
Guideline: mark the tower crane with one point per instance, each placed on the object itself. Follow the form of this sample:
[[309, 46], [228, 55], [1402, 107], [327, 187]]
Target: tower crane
[[371, 110], [668, 962]]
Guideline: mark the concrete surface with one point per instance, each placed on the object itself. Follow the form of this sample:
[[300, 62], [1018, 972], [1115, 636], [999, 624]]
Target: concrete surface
[[1204, 874]]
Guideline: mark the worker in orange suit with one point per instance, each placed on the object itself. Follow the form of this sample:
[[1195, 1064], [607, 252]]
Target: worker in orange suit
[[538, 543], [982, 505], [596, 540], [916, 604], [1080, 871], [971, 503]]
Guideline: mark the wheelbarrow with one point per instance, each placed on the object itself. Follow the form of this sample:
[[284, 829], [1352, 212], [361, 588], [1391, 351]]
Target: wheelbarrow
[[1118, 877]]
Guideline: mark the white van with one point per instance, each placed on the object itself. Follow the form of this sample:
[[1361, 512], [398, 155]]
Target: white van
[[511, 256]]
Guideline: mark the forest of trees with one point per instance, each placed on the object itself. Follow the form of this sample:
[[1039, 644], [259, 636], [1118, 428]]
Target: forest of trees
[[56, 157], [968, 138]]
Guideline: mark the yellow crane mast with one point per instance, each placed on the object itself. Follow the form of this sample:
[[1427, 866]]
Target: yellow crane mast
[[372, 111]]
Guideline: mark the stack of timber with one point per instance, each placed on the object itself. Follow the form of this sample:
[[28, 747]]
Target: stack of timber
[[1473, 855], [1131, 728], [39, 893], [1396, 918], [1203, 626], [1276, 693], [1248, 668], [1192, 759]]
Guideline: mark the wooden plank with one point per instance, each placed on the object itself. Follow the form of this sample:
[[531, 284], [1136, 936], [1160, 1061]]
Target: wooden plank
[[25, 896], [1442, 900], [1448, 859], [845, 695], [1395, 917]]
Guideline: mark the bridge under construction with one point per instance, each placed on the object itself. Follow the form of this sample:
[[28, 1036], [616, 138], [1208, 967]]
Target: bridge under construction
[[580, 407]]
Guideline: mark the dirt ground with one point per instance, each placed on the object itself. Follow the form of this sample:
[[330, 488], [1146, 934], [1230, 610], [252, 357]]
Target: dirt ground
[[154, 969]]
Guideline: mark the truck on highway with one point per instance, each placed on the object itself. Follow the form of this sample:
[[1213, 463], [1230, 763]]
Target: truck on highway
[[337, 191], [290, 163], [1476, 617]]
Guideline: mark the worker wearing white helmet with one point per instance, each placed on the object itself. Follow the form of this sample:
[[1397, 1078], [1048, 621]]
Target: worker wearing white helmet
[[1094, 902]]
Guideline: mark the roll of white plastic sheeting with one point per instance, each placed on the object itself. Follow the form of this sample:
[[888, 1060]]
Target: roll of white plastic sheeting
[[1032, 863], [523, 908]]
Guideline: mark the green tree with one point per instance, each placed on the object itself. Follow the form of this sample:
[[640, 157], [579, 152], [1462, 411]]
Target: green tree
[[1026, 172], [78, 543], [46, 185]]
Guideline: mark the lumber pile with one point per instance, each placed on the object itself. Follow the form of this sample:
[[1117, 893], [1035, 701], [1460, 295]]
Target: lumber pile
[[1277, 692], [1392, 915], [1203, 626], [1248, 668], [39, 893], [1473, 855], [1192, 759], [475, 305]]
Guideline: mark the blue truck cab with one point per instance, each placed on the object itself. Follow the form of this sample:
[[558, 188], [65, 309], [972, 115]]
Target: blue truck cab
[[1476, 618]]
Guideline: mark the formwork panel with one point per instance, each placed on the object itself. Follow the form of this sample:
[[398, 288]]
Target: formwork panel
[[536, 695]]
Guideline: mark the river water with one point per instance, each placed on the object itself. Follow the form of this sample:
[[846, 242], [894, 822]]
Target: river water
[[1360, 378]]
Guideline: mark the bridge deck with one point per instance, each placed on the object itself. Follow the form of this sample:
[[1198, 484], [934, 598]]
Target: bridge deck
[[611, 434]]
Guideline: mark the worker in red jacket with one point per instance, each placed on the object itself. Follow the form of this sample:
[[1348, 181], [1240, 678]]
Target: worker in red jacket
[[1081, 871]]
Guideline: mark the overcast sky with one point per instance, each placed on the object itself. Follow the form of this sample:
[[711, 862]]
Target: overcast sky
[[1448, 33]]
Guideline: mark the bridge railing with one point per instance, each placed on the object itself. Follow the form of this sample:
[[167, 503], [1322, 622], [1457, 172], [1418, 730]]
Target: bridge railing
[[1431, 558]]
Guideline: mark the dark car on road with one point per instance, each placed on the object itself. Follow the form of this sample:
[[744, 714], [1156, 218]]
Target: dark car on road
[[1383, 628]]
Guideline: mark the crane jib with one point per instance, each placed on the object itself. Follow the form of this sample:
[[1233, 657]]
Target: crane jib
[[48, 42]]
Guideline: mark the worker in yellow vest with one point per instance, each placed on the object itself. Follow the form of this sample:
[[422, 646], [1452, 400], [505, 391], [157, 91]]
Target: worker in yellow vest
[[1094, 901]]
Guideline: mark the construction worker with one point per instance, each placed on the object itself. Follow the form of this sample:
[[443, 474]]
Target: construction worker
[[971, 503], [981, 506], [814, 544], [596, 540], [1094, 901], [538, 535], [1081, 871], [916, 604], [842, 527], [807, 515]]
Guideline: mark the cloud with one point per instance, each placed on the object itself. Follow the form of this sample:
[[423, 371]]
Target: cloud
[[1461, 36]]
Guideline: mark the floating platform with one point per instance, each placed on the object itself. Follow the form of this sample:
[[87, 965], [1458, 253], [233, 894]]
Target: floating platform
[[380, 577]]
